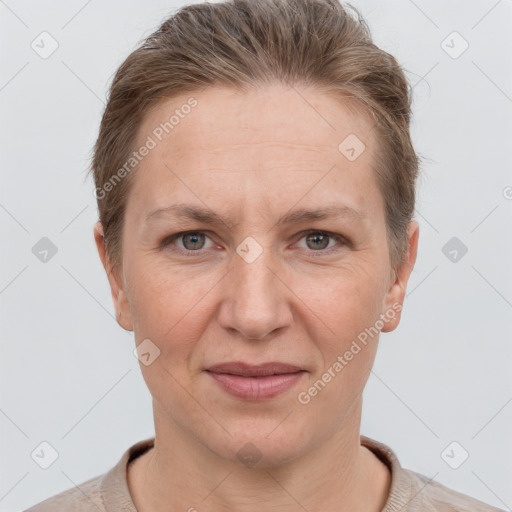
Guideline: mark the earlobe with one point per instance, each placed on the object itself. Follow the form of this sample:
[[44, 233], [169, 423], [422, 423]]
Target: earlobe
[[121, 304], [396, 293]]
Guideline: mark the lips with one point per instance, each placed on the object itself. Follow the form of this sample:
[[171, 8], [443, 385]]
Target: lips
[[247, 370], [260, 382]]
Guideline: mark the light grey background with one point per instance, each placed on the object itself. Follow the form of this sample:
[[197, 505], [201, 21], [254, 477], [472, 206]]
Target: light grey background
[[68, 375]]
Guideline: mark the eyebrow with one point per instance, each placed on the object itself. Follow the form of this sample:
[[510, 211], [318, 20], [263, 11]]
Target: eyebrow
[[207, 216]]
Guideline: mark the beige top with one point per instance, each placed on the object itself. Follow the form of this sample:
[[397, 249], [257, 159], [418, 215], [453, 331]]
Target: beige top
[[409, 492]]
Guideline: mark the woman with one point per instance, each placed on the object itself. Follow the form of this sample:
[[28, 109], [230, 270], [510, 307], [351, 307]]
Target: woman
[[237, 138]]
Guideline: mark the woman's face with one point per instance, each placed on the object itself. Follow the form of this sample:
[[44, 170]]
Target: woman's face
[[255, 287]]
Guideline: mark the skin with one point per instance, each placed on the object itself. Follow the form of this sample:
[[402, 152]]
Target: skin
[[253, 157]]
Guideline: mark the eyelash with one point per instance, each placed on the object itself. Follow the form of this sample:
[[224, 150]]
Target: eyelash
[[340, 239]]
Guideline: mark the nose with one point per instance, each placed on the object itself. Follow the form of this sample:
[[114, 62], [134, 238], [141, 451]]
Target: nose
[[255, 303]]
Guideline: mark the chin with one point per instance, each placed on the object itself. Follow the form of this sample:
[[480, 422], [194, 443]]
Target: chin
[[263, 444]]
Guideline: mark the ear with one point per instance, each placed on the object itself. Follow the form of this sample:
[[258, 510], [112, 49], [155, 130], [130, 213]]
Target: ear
[[396, 294], [121, 304]]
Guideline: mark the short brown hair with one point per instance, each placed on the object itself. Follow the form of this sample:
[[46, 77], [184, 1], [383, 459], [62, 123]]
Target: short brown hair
[[243, 43]]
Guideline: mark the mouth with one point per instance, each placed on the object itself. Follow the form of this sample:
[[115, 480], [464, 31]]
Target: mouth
[[259, 382]]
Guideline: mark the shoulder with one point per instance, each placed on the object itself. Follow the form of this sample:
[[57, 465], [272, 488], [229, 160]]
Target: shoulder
[[83, 498], [413, 492], [108, 491], [429, 495]]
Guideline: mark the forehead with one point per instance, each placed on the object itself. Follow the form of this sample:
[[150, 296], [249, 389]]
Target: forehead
[[288, 118], [229, 141]]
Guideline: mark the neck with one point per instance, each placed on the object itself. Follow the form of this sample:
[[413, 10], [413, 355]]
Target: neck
[[181, 474]]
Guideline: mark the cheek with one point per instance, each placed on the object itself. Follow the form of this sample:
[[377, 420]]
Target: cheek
[[160, 295], [347, 300], [169, 306], [347, 309]]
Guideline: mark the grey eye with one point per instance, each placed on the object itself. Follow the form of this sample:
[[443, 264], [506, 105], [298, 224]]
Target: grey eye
[[317, 240], [193, 241]]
